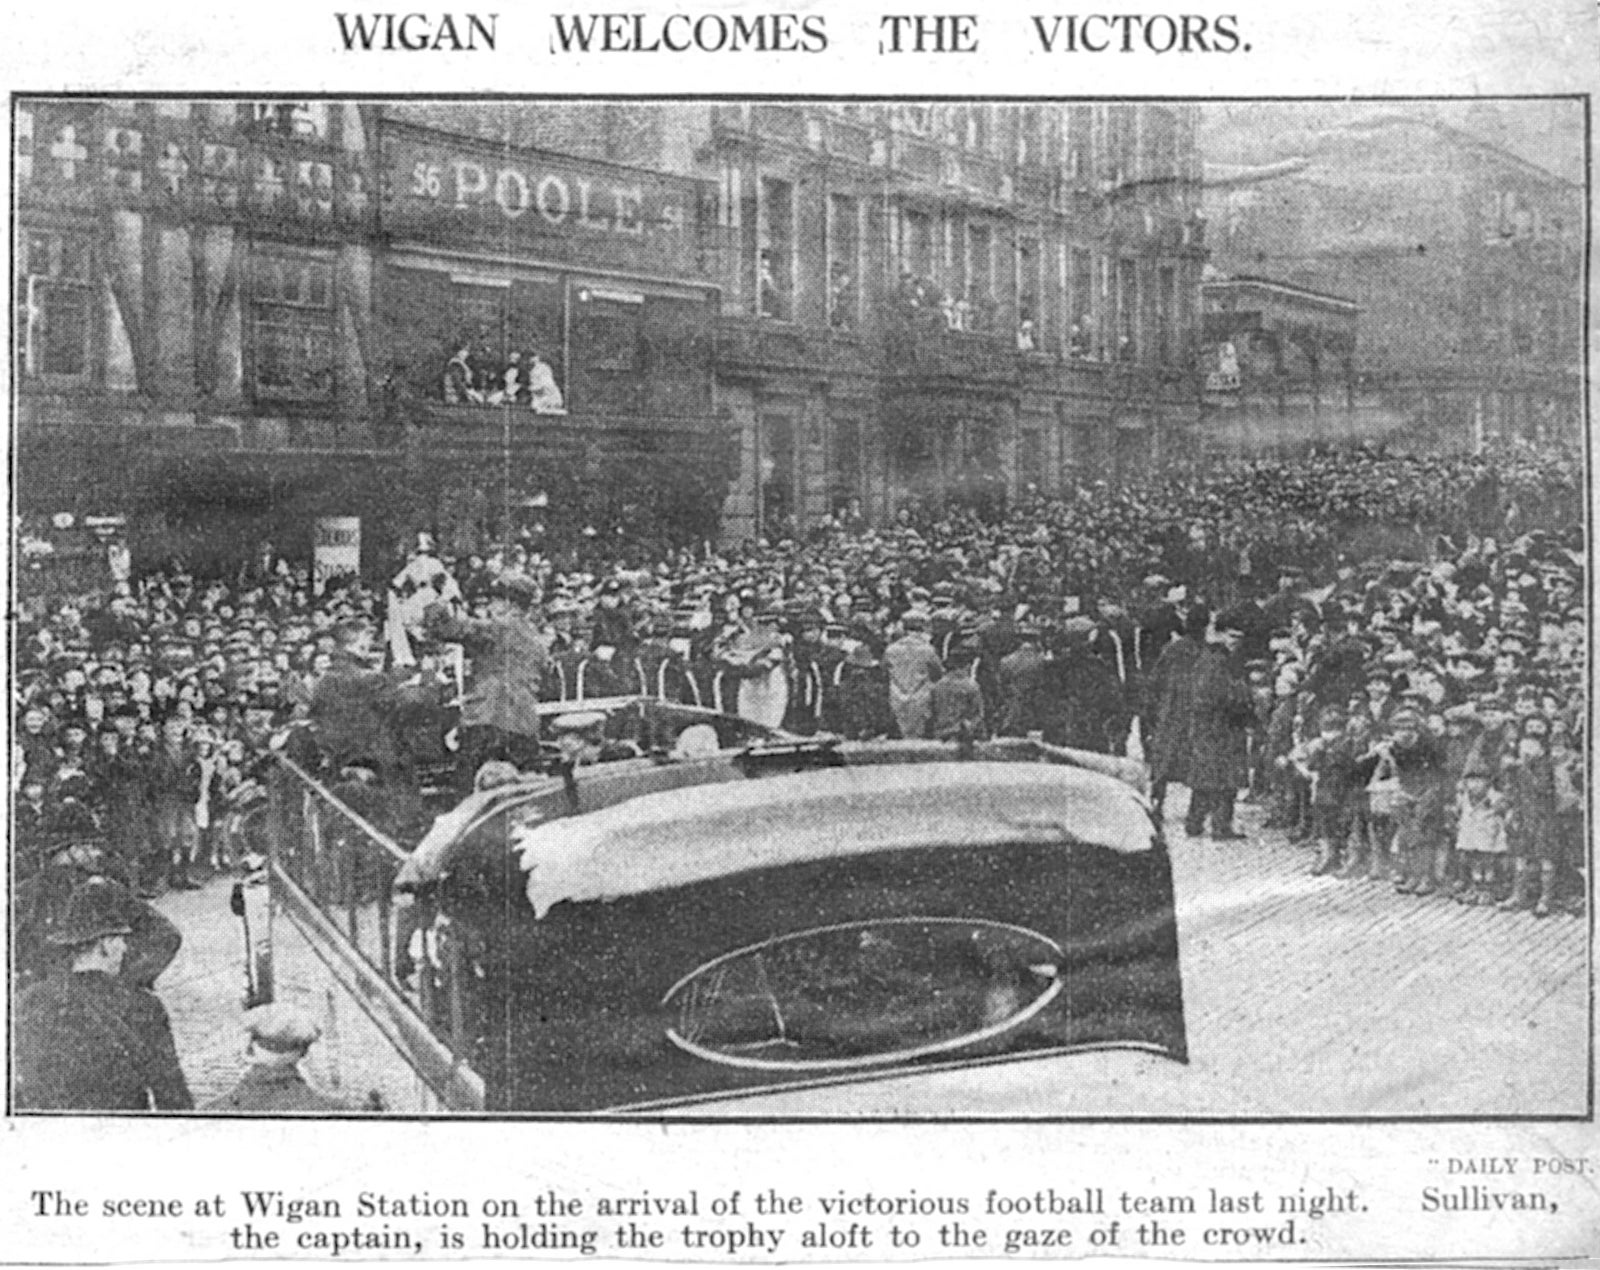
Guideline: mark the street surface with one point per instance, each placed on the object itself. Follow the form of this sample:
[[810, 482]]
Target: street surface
[[1305, 997]]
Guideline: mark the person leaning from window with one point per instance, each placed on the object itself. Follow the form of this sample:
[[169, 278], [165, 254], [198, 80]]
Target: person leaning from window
[[86, 1038], [543, 393], [460, 383]]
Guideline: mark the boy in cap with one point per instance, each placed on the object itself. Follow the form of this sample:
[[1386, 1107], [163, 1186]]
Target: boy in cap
[[280, 1036], [1321, 760], [1418, 824]]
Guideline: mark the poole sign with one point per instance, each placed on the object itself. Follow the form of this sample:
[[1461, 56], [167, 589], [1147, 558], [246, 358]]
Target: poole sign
[[447, 189]]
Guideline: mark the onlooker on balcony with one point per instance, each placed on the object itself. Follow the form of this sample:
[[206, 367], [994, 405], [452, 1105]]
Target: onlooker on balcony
[[460, 383], [544, 394], [774, 292], [841, 297], [1079, 342]]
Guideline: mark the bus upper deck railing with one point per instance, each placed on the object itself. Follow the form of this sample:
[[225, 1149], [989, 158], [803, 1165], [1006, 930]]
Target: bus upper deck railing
[[332, 872]]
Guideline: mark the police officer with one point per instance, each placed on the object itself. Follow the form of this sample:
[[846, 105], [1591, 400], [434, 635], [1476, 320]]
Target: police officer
[[86, 1038]]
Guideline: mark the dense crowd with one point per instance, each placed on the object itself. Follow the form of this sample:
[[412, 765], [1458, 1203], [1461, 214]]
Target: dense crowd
[[1388, 649], [1433, 581]]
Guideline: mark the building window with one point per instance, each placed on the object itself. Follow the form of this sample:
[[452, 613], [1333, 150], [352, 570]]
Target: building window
[[917, 247], [1127, 310], [292, 318], [1161, 149], [980, 278], [1030, 314], [775, 250], [844, 462], [308, 119], [1030, 136], [844, 261], [1166, 312], [1080, 142], [1030, 458], [1121, 135], [1080, 335], [976, 128], [678, 343], [55, 303], [607, 327]]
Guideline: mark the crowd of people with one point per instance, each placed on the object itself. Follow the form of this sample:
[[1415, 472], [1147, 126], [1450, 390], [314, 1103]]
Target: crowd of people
[[1388, 650]]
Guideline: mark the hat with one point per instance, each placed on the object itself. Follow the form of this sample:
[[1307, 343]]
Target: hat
[[578, 721], [861, 655], [494, 773], [514, 587], [281, 1028], [1405, 717], [1233, 619], [98, 908]]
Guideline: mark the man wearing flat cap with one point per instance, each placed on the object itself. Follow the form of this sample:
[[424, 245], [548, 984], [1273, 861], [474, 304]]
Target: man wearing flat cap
[[280, 1036], [87, 1039], [510, 659]]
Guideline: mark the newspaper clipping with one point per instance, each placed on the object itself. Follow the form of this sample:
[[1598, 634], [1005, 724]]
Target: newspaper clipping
[[735, 634]]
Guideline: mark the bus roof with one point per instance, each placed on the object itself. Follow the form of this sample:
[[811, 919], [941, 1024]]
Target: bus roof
[[680, 836]]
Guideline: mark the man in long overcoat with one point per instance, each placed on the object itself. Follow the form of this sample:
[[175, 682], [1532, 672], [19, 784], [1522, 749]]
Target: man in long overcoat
[[1168, 690], [1093, 712], [1221, 711], [913, 667]]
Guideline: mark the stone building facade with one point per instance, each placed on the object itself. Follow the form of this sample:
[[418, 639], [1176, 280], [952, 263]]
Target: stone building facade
[[708, 318], [1464, 257]]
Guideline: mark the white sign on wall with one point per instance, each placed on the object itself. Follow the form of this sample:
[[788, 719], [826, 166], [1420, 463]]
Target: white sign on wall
[[338, 547]]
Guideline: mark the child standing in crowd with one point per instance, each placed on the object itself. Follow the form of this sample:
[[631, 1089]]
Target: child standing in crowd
[[1321, 762], [1357, 813], [1480, 838], [1535, 844], [1566, 766]]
